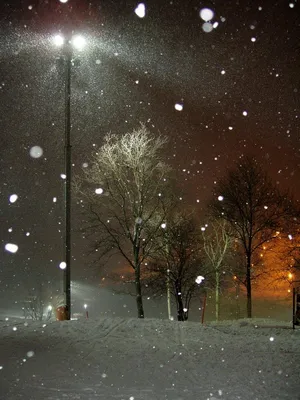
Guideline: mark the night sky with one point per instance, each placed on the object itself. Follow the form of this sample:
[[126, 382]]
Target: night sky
[[238, 85]]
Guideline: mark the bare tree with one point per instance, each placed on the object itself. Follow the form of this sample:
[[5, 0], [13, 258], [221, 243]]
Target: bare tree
[[217, 242], [40, 302], [124, 194], [255, 209], [177, 262]]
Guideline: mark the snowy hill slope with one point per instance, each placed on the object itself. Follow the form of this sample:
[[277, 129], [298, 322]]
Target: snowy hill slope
[[130, 359]]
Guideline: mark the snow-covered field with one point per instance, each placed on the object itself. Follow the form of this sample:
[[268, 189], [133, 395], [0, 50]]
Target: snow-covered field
[[131, 359]]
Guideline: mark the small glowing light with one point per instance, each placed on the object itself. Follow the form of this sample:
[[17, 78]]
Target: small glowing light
[[58, 40], [207, 27], [63, 265], [178, 107], [271, 339], [36, 152], [206, 14], [13, 198], [163, 225], [140, 10], [220, 198], [245, 113], [99, 191], [223, 72], [11, 248], [199, 279], [253, 39], [78, 42]]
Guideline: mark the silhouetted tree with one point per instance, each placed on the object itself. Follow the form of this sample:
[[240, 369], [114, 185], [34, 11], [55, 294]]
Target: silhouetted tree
[[254, 208], [177, 262]]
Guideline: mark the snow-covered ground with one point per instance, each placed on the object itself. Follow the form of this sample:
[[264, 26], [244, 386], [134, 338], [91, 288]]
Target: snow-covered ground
[[131, 359]]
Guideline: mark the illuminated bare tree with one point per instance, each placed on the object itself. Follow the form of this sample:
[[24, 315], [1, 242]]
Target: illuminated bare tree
[[217, 242], [124, 194], [254, 208]]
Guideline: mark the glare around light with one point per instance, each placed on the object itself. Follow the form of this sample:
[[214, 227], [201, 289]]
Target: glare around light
[[78, 42], [58, 40]]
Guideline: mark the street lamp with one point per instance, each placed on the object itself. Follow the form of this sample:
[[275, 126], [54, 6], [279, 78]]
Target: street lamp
[[67, 45]]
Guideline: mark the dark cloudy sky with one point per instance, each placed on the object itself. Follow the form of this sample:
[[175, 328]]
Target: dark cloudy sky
[[135, 70]]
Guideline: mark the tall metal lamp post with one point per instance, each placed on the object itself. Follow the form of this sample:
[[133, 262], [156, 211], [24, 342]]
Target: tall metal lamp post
[[67, 45]]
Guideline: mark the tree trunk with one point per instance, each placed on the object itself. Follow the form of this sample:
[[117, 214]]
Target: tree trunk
[[217, 295], [248, 286], [138, 291], [168, 294], [180, 312]]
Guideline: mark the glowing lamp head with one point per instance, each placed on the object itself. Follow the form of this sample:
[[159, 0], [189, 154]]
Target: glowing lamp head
[[59, 40], [78, 42]]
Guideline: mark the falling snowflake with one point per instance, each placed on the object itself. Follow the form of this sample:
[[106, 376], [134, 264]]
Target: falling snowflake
[[36, 152], [207, 27], [13, 198], [11, 248], [62, 265], [99, 191], [140, 10], [178, 107], [199, 279], [206, 14]]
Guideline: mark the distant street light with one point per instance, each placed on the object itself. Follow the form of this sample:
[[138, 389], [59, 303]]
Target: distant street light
[[67, 45]]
